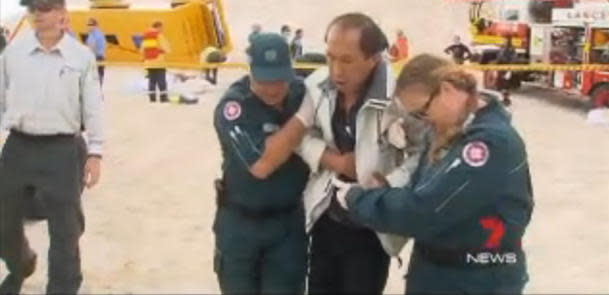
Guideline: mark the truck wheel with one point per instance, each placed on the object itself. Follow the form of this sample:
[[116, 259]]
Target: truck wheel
[[490, 80], [600, 96]]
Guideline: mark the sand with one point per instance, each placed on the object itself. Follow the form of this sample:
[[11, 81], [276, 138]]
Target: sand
[[149, 220]]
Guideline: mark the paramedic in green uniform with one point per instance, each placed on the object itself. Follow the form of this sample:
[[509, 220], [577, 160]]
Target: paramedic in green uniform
[[261, 245], [470, 200]]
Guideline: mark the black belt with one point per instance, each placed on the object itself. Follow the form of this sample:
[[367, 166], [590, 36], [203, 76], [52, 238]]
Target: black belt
[[42, 136], [472, 258], [223, 201]]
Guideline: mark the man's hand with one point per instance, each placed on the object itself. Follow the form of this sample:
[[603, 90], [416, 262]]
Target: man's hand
[[92, 171], [343, 164], [347, 165]]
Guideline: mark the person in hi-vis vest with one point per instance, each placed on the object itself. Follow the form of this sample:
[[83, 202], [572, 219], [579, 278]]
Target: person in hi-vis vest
[[154, 47]]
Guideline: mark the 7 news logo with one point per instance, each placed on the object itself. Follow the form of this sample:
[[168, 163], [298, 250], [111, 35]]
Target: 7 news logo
[[497, 229], [492, 258]]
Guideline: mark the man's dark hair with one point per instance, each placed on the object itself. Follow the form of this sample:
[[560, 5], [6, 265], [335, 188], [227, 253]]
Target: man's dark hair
[[29, 3], [372, 41], [285, 28]]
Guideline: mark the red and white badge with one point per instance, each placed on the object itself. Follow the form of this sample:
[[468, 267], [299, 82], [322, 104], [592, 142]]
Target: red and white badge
[[232, 110], [476, 153]]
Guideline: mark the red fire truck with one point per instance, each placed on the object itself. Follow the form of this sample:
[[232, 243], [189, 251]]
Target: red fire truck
[[548, 32]]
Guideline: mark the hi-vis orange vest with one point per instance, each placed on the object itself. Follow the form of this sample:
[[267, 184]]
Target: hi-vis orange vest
[[399, 50], [151, 44]]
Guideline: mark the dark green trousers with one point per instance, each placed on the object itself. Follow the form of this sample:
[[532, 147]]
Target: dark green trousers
[[48, 170], [260, 255]]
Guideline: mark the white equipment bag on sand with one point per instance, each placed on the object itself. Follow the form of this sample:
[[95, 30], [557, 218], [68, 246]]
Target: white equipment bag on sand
[[598, 117]]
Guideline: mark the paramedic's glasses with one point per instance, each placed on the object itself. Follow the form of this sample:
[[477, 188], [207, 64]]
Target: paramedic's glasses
[[422, 112]]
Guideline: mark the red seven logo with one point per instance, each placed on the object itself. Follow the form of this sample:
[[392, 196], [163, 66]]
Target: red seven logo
[[497, 228]]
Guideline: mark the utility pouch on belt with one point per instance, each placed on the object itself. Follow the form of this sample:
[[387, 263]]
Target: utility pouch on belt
[[220, 192]]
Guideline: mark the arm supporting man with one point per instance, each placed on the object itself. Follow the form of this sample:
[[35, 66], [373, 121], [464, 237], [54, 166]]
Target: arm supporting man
[[278, 148], [292, 136], [436, 204]]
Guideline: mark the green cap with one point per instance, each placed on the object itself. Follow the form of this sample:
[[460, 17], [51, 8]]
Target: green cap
[[270, 58]]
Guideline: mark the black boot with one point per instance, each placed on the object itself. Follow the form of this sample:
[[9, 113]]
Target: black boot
[[164, 98]]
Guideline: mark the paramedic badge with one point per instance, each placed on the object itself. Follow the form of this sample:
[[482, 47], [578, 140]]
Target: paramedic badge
[[232, 110], [476, 154]]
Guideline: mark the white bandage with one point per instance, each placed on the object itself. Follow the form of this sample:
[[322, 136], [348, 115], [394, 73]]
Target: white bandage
[[396, 135], [306, 113], [342, 188]]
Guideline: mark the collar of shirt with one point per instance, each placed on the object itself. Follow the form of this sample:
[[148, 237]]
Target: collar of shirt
[[62, 47], [376, 85]]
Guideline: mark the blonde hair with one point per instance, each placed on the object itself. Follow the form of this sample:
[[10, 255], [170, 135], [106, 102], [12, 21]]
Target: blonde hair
[[464, 82]]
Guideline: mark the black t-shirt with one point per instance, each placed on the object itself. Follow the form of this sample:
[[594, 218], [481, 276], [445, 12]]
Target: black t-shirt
[[343, 127]]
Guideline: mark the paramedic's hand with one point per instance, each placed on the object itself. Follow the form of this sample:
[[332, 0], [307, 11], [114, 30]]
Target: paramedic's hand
[[342, 188], [306, 113], [396, 135], [376, 181]]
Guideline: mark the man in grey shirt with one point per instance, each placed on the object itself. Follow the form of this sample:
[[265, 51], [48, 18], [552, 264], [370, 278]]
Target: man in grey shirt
[[49, 93]]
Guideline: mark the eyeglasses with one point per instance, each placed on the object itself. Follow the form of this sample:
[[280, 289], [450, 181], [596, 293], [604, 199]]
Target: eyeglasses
[[422, 112]]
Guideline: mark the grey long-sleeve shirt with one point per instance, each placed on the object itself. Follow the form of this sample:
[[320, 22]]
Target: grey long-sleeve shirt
[[46, 92]]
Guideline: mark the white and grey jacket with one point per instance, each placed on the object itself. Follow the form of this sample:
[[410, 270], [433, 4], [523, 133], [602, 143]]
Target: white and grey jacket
[[372, 150]]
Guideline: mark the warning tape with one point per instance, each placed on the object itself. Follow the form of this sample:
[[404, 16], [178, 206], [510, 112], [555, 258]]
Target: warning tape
[[542, 67], [538, 67], [199, 66]]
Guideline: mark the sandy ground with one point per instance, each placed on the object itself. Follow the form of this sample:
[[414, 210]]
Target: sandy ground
[[149, 220]]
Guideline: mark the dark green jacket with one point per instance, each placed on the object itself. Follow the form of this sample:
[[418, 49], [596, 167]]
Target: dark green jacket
[[243, 122], [478, 197]]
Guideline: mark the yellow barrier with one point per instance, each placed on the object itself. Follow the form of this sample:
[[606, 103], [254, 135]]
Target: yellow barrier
[[539, 67], [189, 29], [396, 66]]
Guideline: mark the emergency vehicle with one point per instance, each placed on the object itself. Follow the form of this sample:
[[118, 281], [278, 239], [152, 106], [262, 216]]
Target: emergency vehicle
[[553, 32]]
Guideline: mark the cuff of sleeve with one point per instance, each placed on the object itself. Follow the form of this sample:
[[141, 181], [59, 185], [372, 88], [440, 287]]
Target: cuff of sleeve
[[95, 149], [352, 195], [398, 178]]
